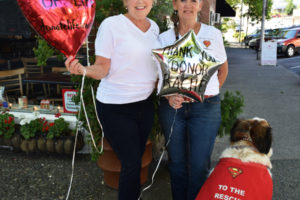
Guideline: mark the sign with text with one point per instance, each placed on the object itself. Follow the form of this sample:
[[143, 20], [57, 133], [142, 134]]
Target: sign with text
[[269, 53], [68, 103]]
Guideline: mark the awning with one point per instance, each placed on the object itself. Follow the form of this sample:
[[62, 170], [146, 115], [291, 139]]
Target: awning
[[224, 9], [12, 20]]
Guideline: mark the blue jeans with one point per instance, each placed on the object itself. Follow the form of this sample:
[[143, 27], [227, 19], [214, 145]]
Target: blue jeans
[[126, 128], [191, 143]]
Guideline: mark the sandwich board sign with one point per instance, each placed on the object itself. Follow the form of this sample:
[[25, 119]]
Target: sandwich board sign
[[269, 53]]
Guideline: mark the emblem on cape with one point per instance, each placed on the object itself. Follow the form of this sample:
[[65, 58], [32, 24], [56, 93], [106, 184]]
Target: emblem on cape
[[185, 68], [235, 172]]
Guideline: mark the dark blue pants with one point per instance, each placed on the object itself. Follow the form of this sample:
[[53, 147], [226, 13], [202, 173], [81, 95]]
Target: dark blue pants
[[126, 128], [191, 143]]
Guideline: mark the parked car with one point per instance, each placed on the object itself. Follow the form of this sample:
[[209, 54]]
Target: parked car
[[249, 37], [269, 35], [289, 42]]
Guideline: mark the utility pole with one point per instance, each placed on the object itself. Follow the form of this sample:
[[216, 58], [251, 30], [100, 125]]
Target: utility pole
[[262, 32], [241, 19]]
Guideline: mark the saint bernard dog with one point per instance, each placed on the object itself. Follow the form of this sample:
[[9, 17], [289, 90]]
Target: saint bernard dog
[[243, 171]]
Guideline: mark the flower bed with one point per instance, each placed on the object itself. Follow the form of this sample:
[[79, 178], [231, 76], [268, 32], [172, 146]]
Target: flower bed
[[38, 135]]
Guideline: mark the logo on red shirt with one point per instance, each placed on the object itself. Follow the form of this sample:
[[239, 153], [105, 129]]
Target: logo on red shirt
[[235, 172]]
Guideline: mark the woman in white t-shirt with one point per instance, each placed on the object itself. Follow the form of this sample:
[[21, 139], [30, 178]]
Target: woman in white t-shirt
[[196, 124], [128, 76]]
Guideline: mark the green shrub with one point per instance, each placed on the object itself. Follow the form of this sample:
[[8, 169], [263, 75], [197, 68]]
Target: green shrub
[[31, 129], [7, 125], [58, 128], [231, 106]]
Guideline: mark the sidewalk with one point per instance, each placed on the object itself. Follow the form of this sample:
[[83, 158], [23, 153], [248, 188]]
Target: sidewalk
[[272, 93]]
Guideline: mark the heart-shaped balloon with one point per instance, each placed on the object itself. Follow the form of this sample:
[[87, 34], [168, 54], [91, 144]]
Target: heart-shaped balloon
[[64, 24]]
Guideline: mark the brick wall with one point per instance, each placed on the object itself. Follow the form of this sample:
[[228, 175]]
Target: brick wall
[[91, 39], [209, 5]]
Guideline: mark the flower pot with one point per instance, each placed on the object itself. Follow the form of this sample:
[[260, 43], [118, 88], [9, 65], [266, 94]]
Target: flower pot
[[16, 141], [111, 166], [32, 145], [24, 146], [68, 145], [59, 146], [41, 144], [50, 145]]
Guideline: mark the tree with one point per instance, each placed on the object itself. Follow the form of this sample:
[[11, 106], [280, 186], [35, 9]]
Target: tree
[[160, 10], [255, 8], [290, 7]]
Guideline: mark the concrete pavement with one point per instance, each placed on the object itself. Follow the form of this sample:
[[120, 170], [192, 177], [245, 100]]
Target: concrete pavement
[[272, 93]]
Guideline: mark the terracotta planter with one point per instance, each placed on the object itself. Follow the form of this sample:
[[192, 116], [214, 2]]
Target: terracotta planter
[[111, 166]]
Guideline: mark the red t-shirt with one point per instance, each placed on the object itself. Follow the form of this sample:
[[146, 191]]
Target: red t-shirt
[[234, 180]]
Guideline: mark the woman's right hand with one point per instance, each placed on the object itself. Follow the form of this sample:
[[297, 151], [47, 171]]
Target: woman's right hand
[[175, 101], [74, 67]]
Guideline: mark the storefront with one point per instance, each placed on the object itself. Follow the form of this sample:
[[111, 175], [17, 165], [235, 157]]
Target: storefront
[[16, 36]]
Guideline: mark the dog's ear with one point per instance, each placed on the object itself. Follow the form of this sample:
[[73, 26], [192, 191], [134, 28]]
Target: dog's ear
[[239, 129], [262, 138], [233, 130]]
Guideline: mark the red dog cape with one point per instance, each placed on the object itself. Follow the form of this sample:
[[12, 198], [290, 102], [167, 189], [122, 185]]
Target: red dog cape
[[234, 180]]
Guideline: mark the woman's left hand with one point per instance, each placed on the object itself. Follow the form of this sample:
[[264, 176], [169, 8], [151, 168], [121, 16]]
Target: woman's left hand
[[175, 101]]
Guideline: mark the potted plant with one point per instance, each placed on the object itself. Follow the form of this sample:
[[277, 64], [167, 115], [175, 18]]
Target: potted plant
[[41, 136], [7, 128], [29, 131], [57, 139]]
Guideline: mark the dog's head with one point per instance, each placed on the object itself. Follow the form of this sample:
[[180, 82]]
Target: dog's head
[[256, 132]]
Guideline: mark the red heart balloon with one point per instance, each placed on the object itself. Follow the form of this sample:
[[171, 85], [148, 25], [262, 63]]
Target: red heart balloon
[[64, 24]]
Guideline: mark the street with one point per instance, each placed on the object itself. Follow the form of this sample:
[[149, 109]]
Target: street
[[292, 63]]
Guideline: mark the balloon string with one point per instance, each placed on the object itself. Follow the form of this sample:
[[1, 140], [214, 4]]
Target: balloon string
[[87, 118], [160, 159], [93, 97], [74, 149]]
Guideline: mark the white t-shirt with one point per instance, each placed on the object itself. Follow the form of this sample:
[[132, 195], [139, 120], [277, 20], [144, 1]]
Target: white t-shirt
[[132, 74], [207, 35]]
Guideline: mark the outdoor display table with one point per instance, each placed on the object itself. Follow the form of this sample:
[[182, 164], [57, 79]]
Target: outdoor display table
[[33, 111]]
